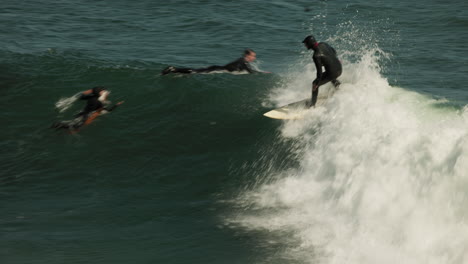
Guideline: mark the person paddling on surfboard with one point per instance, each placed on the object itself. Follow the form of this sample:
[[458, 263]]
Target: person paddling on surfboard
[[324, 56], [239, 65], [95, 100]]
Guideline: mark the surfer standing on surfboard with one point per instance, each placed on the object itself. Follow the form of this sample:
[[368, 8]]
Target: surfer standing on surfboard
[[324, 56], [239, 65], [95, 100]]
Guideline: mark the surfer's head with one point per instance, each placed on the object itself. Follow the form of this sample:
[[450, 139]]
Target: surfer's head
[[309, 42], [98, 89], [249, 55]]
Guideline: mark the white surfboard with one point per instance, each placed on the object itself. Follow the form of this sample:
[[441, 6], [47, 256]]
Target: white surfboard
[[296, 110]]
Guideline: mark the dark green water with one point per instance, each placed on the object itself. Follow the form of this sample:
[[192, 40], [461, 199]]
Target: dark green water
[[188, 170]]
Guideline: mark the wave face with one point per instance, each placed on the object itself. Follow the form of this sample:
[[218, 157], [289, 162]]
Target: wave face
[[188, 170]]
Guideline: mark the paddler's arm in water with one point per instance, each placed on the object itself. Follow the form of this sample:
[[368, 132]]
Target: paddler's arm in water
[[257, 71], [112, 108], [250, 69]]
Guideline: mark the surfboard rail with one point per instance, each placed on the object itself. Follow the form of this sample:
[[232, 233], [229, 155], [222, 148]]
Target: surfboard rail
[[293, 111]]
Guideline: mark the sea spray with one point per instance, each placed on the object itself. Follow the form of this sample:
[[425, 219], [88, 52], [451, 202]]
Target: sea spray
[[65, 103], [382, 177]]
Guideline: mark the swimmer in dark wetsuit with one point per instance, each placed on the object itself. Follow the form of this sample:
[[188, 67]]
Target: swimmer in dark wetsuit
[[94, 102], [324, 56], [239, 65]]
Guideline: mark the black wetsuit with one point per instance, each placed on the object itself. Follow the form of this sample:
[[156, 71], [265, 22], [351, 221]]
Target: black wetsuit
[[238, 65], [325, 55], [92, 104]]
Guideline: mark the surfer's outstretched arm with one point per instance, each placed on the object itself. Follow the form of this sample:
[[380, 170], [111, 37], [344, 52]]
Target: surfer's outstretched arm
[[112, 108], [90, 91], [94, 92]]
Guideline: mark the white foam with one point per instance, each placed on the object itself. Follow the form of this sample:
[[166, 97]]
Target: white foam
[[383, 177], [66, 102]]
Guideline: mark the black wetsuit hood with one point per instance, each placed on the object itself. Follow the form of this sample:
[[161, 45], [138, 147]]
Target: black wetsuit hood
[[309, 41], [97, 90]]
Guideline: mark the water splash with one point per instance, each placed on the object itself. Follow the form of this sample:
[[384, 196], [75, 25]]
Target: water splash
[[382, 176], [65, 103]]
